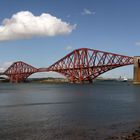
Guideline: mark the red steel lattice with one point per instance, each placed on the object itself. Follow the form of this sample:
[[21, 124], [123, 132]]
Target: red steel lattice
[[78, 66], [86, 64], [19, 71]]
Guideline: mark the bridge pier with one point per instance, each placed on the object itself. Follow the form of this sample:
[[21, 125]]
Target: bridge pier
[[136, 79], [80, 80]]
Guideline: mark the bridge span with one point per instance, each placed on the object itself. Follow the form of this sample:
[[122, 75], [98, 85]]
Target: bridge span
[[78, 66]]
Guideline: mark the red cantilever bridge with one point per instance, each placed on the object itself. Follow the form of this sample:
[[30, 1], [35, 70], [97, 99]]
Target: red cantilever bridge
[[78, 66]]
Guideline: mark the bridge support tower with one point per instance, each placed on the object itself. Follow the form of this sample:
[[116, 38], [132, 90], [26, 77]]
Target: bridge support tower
[[136, 79]]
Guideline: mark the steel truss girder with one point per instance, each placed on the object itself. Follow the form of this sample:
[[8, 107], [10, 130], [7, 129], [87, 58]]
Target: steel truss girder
[[86, 64], [19, 71], [78, 66]]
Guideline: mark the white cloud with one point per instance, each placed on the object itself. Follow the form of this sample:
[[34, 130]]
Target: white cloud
[[24, 25], [68, 16], [68, 48], [87, 12], [4, 66], [137, 43]]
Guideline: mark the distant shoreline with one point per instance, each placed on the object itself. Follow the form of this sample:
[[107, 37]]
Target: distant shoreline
[[57, 80]]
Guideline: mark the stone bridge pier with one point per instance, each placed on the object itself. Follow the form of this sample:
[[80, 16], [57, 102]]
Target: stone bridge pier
[[136, 70]]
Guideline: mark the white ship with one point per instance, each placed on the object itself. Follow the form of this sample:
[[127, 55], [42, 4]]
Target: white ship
[[123, 79]]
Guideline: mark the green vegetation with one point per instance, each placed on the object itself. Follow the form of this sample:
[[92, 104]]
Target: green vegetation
[[48, 80]]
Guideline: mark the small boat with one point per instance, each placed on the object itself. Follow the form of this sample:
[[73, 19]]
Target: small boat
[[123, 79]]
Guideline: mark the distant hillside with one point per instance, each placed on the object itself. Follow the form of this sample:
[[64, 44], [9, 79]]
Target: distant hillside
[[48, 80]]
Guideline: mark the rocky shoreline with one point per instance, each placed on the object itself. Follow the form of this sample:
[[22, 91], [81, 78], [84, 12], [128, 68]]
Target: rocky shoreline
[[134, 135]]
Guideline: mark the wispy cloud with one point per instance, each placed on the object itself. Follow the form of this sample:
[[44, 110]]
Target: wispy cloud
[[4, 66], [68, 48], [137, 43], [24, 24], [87, 12], [68, 16]]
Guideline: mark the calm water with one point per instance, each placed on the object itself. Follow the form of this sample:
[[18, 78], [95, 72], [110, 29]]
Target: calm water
[[68, 111]]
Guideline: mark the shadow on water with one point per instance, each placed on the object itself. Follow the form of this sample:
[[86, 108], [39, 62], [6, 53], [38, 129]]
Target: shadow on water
[[36, 104]]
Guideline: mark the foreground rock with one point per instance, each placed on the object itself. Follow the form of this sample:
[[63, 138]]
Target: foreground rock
[[135, 135]]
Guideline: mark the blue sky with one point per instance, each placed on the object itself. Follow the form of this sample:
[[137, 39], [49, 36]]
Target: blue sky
[[107, 25]]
